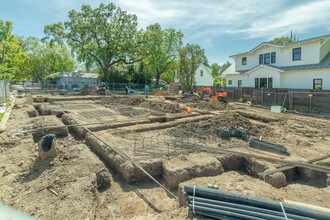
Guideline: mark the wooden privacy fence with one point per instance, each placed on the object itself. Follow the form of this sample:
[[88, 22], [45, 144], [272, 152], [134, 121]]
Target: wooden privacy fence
[[293, 98]]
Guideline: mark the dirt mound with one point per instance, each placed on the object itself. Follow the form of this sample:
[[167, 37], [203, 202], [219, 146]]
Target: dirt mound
[[212, 105], [207, 129], [163, 93], [162, 107], [189, 99], [153, 105], [133, 101], [87, 92]]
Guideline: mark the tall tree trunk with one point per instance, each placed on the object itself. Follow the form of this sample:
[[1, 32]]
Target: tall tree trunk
[[106, 74], [157, 78]]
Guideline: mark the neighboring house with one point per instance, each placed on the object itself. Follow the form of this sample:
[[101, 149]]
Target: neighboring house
[[300, 65], [69, 80], [203, 76]]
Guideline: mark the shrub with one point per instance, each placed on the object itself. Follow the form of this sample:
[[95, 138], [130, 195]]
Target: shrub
[[242, 100]]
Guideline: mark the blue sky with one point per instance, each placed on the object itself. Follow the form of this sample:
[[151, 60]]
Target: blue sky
[[221, 27]]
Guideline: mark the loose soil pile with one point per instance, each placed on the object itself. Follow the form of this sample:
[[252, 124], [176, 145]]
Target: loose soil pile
[[207, 129], [213, 105], [194, 102], [189, 99], [153, 105], [163, 93]]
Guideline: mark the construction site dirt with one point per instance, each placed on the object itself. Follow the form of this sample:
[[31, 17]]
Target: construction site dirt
[[128, 157]]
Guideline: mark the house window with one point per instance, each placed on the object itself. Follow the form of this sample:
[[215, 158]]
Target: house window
[[317, 83], [296, 53], [239, 83], [244, 60], [263, 82], [256, 82], [266, 58], [261, 59], [230, 82], [273, 57], [270, 82], [201, 73]]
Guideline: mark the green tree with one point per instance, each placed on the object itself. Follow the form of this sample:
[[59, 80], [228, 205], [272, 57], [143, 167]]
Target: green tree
[[215, 70], [46, 58], [281, 40], [161, 49], [103, 36], [190, 58], [12, 56], [224, 66]]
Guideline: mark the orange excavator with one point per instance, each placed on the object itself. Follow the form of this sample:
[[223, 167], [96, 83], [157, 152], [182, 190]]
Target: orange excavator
[[221, 96]]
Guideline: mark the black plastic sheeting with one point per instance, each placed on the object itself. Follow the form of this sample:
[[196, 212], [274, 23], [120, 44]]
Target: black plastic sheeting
[[47, 142]]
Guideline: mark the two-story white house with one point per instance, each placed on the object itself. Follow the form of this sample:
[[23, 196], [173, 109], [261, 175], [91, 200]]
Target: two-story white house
[[303, 64]]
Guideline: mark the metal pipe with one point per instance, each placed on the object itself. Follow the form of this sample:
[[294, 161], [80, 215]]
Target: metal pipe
[[245, 207], [223, 212], [255, 201], [215, 215], [240, 211]]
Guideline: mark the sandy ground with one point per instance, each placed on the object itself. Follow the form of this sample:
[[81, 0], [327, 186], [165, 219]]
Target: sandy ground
[[72, 173]]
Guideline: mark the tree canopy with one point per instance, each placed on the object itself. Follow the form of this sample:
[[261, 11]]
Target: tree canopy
[[190, 57], [103, 36], [215, 70], [46, 58], [12, 56], [282, 40], [161, 49]]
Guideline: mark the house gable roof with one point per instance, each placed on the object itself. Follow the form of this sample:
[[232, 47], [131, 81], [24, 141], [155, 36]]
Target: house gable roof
[[209, 70], [230, 70], [281, 46]]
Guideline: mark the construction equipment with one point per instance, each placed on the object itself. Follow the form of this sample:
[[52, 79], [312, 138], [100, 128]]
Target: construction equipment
[[100, 89], [221, 95]]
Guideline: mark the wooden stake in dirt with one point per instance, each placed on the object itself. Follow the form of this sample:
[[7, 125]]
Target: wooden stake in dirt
[[53, 191], [140, 119]]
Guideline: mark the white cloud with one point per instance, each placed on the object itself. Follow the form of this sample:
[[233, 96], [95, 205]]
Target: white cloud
[[302, 18]]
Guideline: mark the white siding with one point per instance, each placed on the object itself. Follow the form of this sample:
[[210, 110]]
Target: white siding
[[249, 79], [206, 79], [235, 78], [303, 79], [264, 72], [309, 55]]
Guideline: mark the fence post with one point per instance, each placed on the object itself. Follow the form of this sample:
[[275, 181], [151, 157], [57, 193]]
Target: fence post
[[275, 96], [113, 86], [233, 93], [241, 92], [292, 98], [262, 95]]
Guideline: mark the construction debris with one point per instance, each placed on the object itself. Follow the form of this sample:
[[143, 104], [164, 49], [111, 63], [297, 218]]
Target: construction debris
[[47, 146], [266, 146], [238, 132]]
